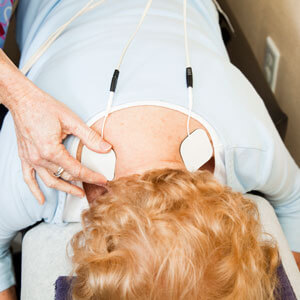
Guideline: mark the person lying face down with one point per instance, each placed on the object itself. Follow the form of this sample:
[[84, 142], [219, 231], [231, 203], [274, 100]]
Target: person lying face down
[[172, 234], [158, 231], [146, 127]]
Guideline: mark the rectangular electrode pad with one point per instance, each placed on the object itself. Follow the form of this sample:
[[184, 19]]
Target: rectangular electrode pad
[[74, 206], [103, 163], [196, 150]]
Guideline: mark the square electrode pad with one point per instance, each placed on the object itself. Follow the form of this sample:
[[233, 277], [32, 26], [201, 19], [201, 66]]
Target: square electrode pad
[[196, 150]]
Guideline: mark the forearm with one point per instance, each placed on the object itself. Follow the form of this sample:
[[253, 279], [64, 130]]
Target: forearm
[[9, 294], [12, 82]]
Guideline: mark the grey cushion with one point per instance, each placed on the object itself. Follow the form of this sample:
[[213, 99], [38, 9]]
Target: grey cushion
[[44, 258]]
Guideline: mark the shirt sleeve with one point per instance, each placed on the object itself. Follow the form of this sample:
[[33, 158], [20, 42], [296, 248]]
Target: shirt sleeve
[[7, 278], [281, 186], [269, 168], [5, 14]]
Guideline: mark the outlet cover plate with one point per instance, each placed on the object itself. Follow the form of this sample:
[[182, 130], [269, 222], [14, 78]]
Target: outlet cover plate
[[271, 63]]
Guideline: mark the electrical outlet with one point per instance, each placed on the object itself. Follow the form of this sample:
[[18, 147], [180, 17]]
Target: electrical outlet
[[271, 63]]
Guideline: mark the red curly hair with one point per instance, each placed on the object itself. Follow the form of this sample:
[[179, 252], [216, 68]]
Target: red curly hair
[[172, 234]]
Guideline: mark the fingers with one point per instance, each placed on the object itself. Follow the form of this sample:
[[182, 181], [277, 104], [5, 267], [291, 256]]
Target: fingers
[[29, 178], [59, 184], [36, 160], [40, 129], [49, 180], [88, 136], [53, 168], [76, 169]]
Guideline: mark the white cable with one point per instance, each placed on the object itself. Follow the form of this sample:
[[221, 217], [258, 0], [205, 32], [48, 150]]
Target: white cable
[[135, 33], [56, 34], [190, 91], [89, 6], [219, 8], [111, 94], [188, 65], [108, 108], [186, 44]]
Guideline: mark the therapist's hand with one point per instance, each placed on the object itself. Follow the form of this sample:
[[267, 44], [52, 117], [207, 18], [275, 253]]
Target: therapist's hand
[[41, 124]]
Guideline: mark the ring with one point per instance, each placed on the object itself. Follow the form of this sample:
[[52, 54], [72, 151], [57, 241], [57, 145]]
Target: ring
[[59, 172]]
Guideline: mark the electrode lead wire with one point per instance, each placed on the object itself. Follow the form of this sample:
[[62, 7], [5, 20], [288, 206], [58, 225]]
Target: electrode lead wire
[[89, 6], [117, 70], [189, 71]]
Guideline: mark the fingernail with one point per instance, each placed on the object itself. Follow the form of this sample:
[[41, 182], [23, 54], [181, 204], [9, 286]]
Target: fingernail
[[103, 182], [79, 194], [105, 146]]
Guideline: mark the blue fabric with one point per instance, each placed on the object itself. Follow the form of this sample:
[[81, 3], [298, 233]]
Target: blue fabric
[[63, 288], [80, 63], [77, 70], [18, 208]]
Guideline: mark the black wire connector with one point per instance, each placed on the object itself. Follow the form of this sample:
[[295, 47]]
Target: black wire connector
[[189, 77], [114, 81]]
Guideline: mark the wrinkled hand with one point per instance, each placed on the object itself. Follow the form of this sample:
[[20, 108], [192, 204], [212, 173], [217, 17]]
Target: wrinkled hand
[[41, 124]]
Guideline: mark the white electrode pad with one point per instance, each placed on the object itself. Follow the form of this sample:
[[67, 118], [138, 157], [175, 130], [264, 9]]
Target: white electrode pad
[[74, 206], [196, 150], [101, 163]]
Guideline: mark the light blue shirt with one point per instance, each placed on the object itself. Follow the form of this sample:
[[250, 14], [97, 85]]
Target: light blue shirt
[[77, 70]]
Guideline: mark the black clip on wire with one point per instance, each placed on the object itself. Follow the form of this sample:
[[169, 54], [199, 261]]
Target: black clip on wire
[[114, 81], [189, 77]]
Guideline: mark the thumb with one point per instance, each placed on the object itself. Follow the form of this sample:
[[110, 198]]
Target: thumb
[[90, 137]]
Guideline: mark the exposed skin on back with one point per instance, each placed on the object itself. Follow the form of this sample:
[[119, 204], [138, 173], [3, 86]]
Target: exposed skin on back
[[144, 138]]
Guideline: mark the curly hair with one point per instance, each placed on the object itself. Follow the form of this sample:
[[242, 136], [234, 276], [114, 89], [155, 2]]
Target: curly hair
[[172, 234]]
